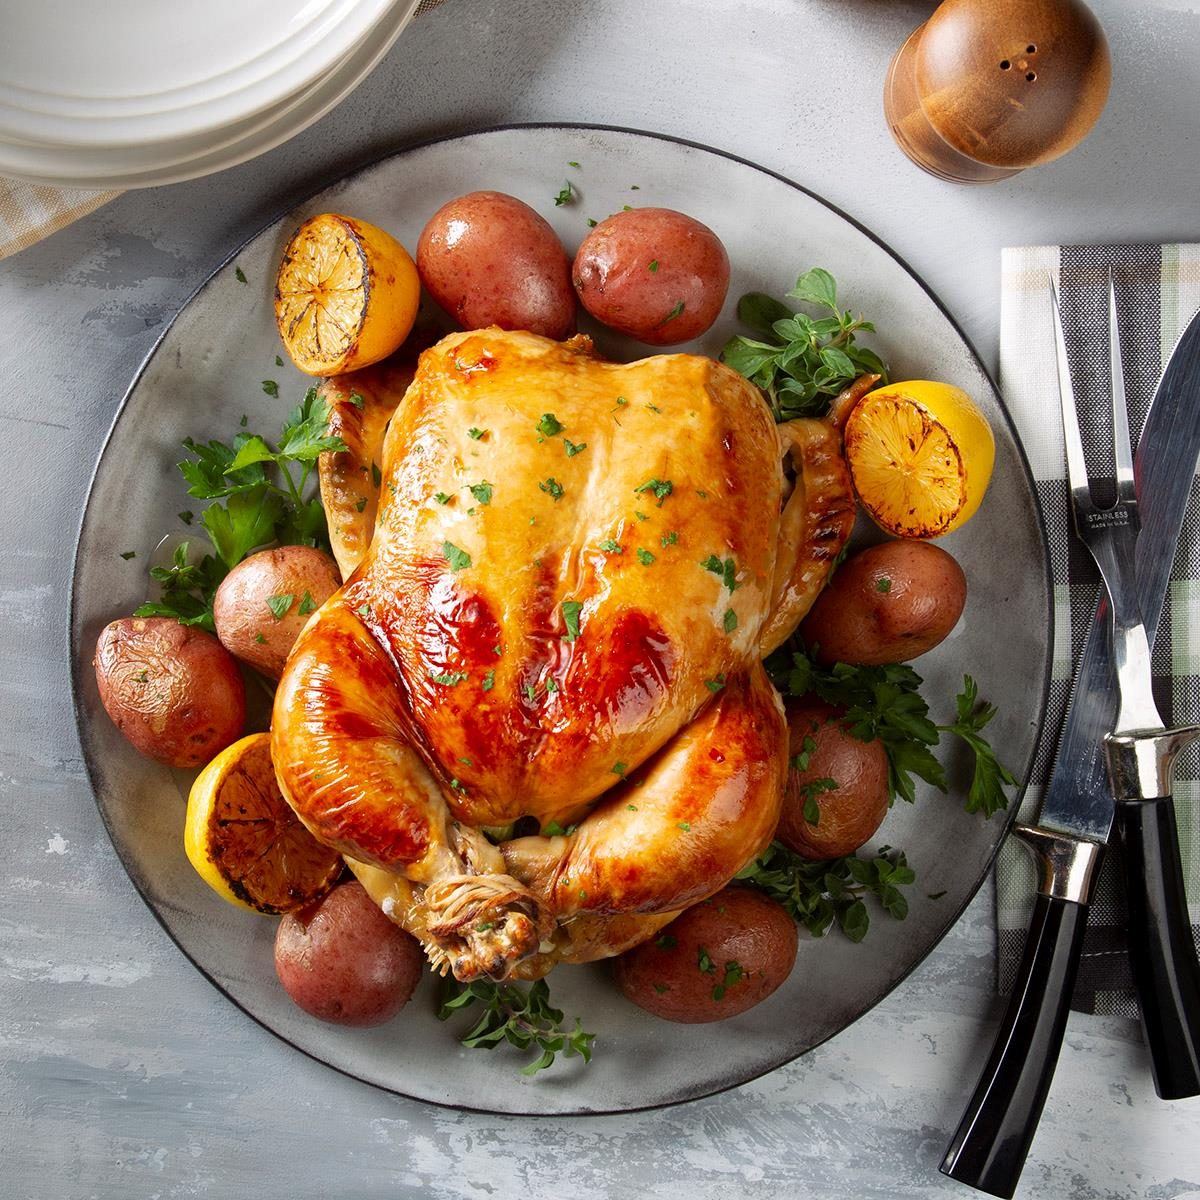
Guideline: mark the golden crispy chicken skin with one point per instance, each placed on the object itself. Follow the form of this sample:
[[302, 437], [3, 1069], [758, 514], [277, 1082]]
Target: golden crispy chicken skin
[[560, 617]]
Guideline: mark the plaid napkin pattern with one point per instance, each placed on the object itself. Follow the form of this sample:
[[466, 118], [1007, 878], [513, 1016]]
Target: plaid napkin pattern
[[30, 212], [1158, 291]]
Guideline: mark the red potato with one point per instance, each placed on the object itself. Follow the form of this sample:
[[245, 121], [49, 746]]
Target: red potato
[[173, 690], [886, 604], [717, 959], [654, 274], [489, 259], [266, 600], [343, 961], [823, 752]]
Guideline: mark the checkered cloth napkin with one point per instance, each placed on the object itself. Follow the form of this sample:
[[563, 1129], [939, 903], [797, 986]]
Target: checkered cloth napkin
[[30, 212], [1158, 291]]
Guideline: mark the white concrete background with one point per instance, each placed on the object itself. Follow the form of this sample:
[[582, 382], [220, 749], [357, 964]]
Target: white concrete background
[[123, 1073]]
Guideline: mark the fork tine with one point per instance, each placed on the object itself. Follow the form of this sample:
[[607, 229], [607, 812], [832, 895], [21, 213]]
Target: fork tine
[[1122, 449], [1077, 474]]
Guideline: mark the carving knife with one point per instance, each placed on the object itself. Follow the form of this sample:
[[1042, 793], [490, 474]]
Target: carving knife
[[989, 1147]]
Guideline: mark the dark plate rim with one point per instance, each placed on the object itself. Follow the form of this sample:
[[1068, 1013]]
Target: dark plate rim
[[79, 661]]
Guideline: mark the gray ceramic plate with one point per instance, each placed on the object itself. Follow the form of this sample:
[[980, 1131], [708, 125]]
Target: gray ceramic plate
[[206, 371]]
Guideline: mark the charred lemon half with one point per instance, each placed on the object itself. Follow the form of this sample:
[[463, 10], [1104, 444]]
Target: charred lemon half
[[920, 454], [244, 840], [346, 295]]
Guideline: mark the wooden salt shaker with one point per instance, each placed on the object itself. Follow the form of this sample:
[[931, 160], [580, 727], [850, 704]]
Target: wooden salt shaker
[[986, 88]]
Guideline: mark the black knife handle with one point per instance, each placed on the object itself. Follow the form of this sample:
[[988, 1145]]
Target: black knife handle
[[1161, 950], [989, 1147]]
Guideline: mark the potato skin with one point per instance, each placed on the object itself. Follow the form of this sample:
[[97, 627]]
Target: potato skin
[[636, 269], [683, 974], [173, 690], [243, 617], [489, 259], [343, 961], [886, 604], [850, 813]]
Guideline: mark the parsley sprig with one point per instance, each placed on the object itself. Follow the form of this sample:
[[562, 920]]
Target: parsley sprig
[[818, 894], [886, 703], [523, 1017], [259, 495], [801, 362]]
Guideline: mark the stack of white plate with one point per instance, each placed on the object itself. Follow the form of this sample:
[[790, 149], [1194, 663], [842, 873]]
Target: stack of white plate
[[135, 93]]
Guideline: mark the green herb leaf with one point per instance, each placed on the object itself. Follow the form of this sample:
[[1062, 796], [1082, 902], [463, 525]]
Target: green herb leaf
[[489, 680], [818, 894], [239, 274], [571, 610], [280, 604], [521, 1016], [644, 556], [653, 265], [573, 448], [549, 425], [611, 547], [986, 794], [448, 678], [357, 401], [675, 312], [128, 554], [442, 497], [552, 488], [668, 539], [883, 584], [458, 559], [476, 434], [662, 488], [270, 387], [482, 492], [731, 620], [716, 684], [565, 196], [307, 604]]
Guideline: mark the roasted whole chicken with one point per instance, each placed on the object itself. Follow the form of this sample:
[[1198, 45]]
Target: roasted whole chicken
[[535, 718]]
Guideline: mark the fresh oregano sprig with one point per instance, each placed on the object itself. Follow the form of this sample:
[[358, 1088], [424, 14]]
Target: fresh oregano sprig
[[801, 362], [521, 1016], [886, 703], [820, 894]]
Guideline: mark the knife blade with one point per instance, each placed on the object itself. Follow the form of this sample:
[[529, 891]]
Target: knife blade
[[989, 1148]]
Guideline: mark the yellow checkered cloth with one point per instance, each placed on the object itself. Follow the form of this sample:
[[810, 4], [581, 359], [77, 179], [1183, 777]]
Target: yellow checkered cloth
[[30, 212]]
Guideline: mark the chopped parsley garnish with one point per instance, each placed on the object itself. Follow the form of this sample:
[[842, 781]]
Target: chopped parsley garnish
[[554, 829], [727, 570], [631, 808], [571, 610], [458, 559], [552, 487], [662, 488], [359, 505], [186, 516], [592, 222], [666, 941], [611, 547], [883, 584], [489, 680], [550, 425], [307, 604], [731, 621], [239, 274], [128, 554], [810, 791], [565, 196], [280, 604], [442, 497], [270, 387], [655, 409], [278, 361], [357, 401], [675, 312], [572, 164], [641, 516], [258, 637], [685, 826], [573, 448], [448, 678], [530, 692], [716, 684], [669, 539], [619, 768], [482, 492], [653, 265], [476, 434], [644, 556], [733, 974], [376, 474], [363, 610]]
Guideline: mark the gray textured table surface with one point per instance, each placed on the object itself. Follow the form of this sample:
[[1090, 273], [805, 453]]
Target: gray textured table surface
[[124, 1074]]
